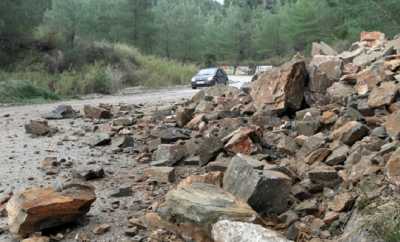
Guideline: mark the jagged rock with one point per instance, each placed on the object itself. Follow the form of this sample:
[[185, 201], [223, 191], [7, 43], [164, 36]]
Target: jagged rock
[[307, 207], [39, 128], [338, 156], [310, 144], [350, 132], [101, 229], [196, 121], [324, 71], [325, 176], [317, 156], [172, 135], [215, 91], [241, 141], [161, 174], [383, 95], [339, 92], [322, 48], [372, 38], [203, 204], [213, 178], [123, 141], [209, 149], [122, 191], [123, 122], [169, 154], [90, 173], [307, 128], [328, 118], [392, 125], [36, 209], [282, 88], [369, 78], [228, 231], [393, 168], [342, 202], [61, 112], [183, 116], [265, 191], [287, 145], [96, 112], [99, 139]]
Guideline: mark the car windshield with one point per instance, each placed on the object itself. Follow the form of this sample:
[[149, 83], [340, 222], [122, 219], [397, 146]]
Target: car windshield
[[210, 71]]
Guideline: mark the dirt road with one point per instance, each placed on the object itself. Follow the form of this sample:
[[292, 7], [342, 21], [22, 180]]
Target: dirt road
[[20, 157]]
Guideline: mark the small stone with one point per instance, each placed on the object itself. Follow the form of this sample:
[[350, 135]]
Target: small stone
[[90, 173], [123, 122], [123, 191], [338, 156], [38, 127], [172, 135], [96, 112], [131, 232], [241, 141], [308, 207], [101, 229], [99, 139]]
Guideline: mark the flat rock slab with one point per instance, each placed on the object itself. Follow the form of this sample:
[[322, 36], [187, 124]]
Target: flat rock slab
[[203, 204], [36, 209]]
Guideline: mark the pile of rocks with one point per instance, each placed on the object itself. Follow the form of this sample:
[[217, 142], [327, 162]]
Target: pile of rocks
[[308, 152]]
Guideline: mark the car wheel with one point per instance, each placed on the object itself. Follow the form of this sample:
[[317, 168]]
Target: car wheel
[[194, 87]]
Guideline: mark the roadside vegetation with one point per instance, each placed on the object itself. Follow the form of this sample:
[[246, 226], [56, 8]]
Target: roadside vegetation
[[74, 47]]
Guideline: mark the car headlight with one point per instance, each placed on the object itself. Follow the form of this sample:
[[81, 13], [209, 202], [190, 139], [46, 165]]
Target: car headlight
[[210, 78], [193, 79]]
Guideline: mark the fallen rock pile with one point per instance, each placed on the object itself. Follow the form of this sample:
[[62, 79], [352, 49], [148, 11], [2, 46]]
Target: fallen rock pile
[[309, 153]]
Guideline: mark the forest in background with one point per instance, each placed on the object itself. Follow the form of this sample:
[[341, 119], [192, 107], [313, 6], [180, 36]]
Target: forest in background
[[83, 46]]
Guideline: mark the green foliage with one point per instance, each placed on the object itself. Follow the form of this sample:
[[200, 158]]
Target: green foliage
[[17, 91]]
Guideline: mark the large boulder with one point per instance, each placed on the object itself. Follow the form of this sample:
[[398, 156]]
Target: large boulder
[[281, 88], [383, 95], [265, 191], [39, 127], [169, 154], [324, 71], [229, 231], [36, 209]]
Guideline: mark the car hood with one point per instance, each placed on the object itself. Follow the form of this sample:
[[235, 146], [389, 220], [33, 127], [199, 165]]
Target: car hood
[[202, 77]]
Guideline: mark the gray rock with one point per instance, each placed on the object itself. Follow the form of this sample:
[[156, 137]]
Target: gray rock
[[265, 191], [229, 231], [61, 112], [172, 135], [169, 154], [203, 204], [209, 149], [350, 132], [338, 156], [99, 139]]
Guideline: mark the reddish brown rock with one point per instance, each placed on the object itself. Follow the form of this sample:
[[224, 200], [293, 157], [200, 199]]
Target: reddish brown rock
[[282, 88], [213, 178], [372, 38], [369, 78], [241, 141], [38, 127], [183, 116], [161, 174], [96, 112], [342, 202], [36, 209], [37, 238]]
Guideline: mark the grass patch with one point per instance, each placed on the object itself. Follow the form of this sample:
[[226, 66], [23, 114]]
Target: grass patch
[[96, 67], [20, 91], [384, 222]]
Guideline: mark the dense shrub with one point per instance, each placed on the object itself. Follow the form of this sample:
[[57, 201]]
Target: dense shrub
[[22, 91]]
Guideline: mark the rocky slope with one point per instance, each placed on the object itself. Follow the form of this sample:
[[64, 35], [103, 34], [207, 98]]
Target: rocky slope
[[307, 152]]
